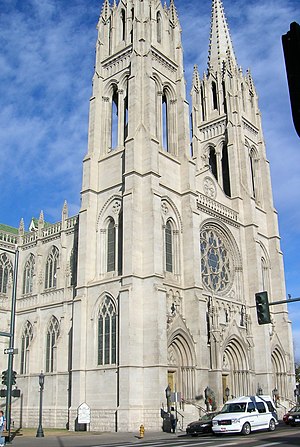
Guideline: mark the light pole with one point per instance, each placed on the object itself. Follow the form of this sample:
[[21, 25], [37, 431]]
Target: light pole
[[11, 335], [40, 432]]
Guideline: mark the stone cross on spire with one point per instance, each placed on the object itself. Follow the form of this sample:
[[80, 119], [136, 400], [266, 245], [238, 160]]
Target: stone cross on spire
[[220, 45]]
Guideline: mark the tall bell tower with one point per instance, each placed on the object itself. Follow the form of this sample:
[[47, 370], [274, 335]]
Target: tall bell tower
[[138, 143]]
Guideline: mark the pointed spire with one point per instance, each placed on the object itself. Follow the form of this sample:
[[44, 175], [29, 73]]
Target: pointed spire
[[105, 13], [41, 218], [65, 211], [173, 13], [196, 78], [220, 45], [21, 227]]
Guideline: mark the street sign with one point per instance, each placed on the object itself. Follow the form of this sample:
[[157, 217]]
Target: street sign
[[10, 351]]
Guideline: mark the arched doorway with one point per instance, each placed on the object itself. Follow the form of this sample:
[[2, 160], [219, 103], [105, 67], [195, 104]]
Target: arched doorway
[[181, 365], [235, 370]]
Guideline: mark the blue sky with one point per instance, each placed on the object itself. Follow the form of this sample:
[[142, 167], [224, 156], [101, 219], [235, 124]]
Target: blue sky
[[46, 66]]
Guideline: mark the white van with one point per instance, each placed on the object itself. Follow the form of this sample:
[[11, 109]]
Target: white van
[[246, 414]]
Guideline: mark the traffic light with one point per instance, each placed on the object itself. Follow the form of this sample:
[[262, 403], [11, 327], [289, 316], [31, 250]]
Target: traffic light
[[262, 308], [291, 49], [4, 377], [13, 377]]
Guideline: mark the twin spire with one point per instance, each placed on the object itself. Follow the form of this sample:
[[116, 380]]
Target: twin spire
[[220, 45]]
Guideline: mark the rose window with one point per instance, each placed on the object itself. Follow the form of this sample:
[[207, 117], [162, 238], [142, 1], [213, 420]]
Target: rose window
[[216, 261]]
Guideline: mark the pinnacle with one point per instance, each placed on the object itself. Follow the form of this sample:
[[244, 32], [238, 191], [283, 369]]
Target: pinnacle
[[220, 45]]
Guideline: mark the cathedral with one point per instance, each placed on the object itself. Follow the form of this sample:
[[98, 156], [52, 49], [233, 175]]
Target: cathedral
[[150, 289]]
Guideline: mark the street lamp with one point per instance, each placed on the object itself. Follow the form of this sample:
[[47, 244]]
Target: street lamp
[[40, 432], [227, 392]]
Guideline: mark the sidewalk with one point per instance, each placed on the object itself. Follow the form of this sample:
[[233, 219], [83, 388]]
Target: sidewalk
[[63, 438]]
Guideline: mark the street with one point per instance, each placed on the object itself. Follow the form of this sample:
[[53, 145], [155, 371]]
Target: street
[[283, 436]]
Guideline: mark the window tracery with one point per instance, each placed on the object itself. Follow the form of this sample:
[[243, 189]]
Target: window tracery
[[107, 333], [216, 260], [51, 344], [28, 274], [6, 271], [51, 268], [26, 339]]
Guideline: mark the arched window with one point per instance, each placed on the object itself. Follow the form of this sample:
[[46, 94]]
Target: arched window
[[225, 170], [165, 136], [28, 275], [169, 247], [111, 246], [224, 97], [114, 118], [51, 344], [6, 270], [158, 27], [213, 162], [252, 172], [202, 103], [123, 24], [107, 333], [125, 118], [214, 95], [27, 336], [51, 269]]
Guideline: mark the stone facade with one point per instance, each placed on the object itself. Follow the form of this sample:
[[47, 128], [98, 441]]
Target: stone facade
[[153, 283]]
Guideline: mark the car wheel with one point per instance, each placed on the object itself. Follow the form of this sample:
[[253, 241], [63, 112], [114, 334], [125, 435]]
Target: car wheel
[[272, 425], [246, 430]]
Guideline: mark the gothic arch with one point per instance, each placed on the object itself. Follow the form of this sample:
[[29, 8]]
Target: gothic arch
[[172, 227], [236, 367], [279, 369], [182, 361], [110, 215]]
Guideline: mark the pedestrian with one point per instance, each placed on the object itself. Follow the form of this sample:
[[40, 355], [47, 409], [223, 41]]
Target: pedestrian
[[2, 427], [173, 422]]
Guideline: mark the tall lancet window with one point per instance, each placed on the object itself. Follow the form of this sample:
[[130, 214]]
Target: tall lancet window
[[214, 95], [51, 344], [27, 336], [158, 27], [213, 162], [51, 268], [111, 246], [28, 275], [202, 103], [169, 247], [107, 333], [125, 118], [165, 137], [6, 271], [225, 171], [252, 172], [114, 118], [123, 23]]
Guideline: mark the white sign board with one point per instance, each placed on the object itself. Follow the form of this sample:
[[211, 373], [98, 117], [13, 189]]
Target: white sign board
[[84, 414]]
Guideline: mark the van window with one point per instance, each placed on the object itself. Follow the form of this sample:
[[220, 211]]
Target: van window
[[251, 407], [234, 408], [261, 407]]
